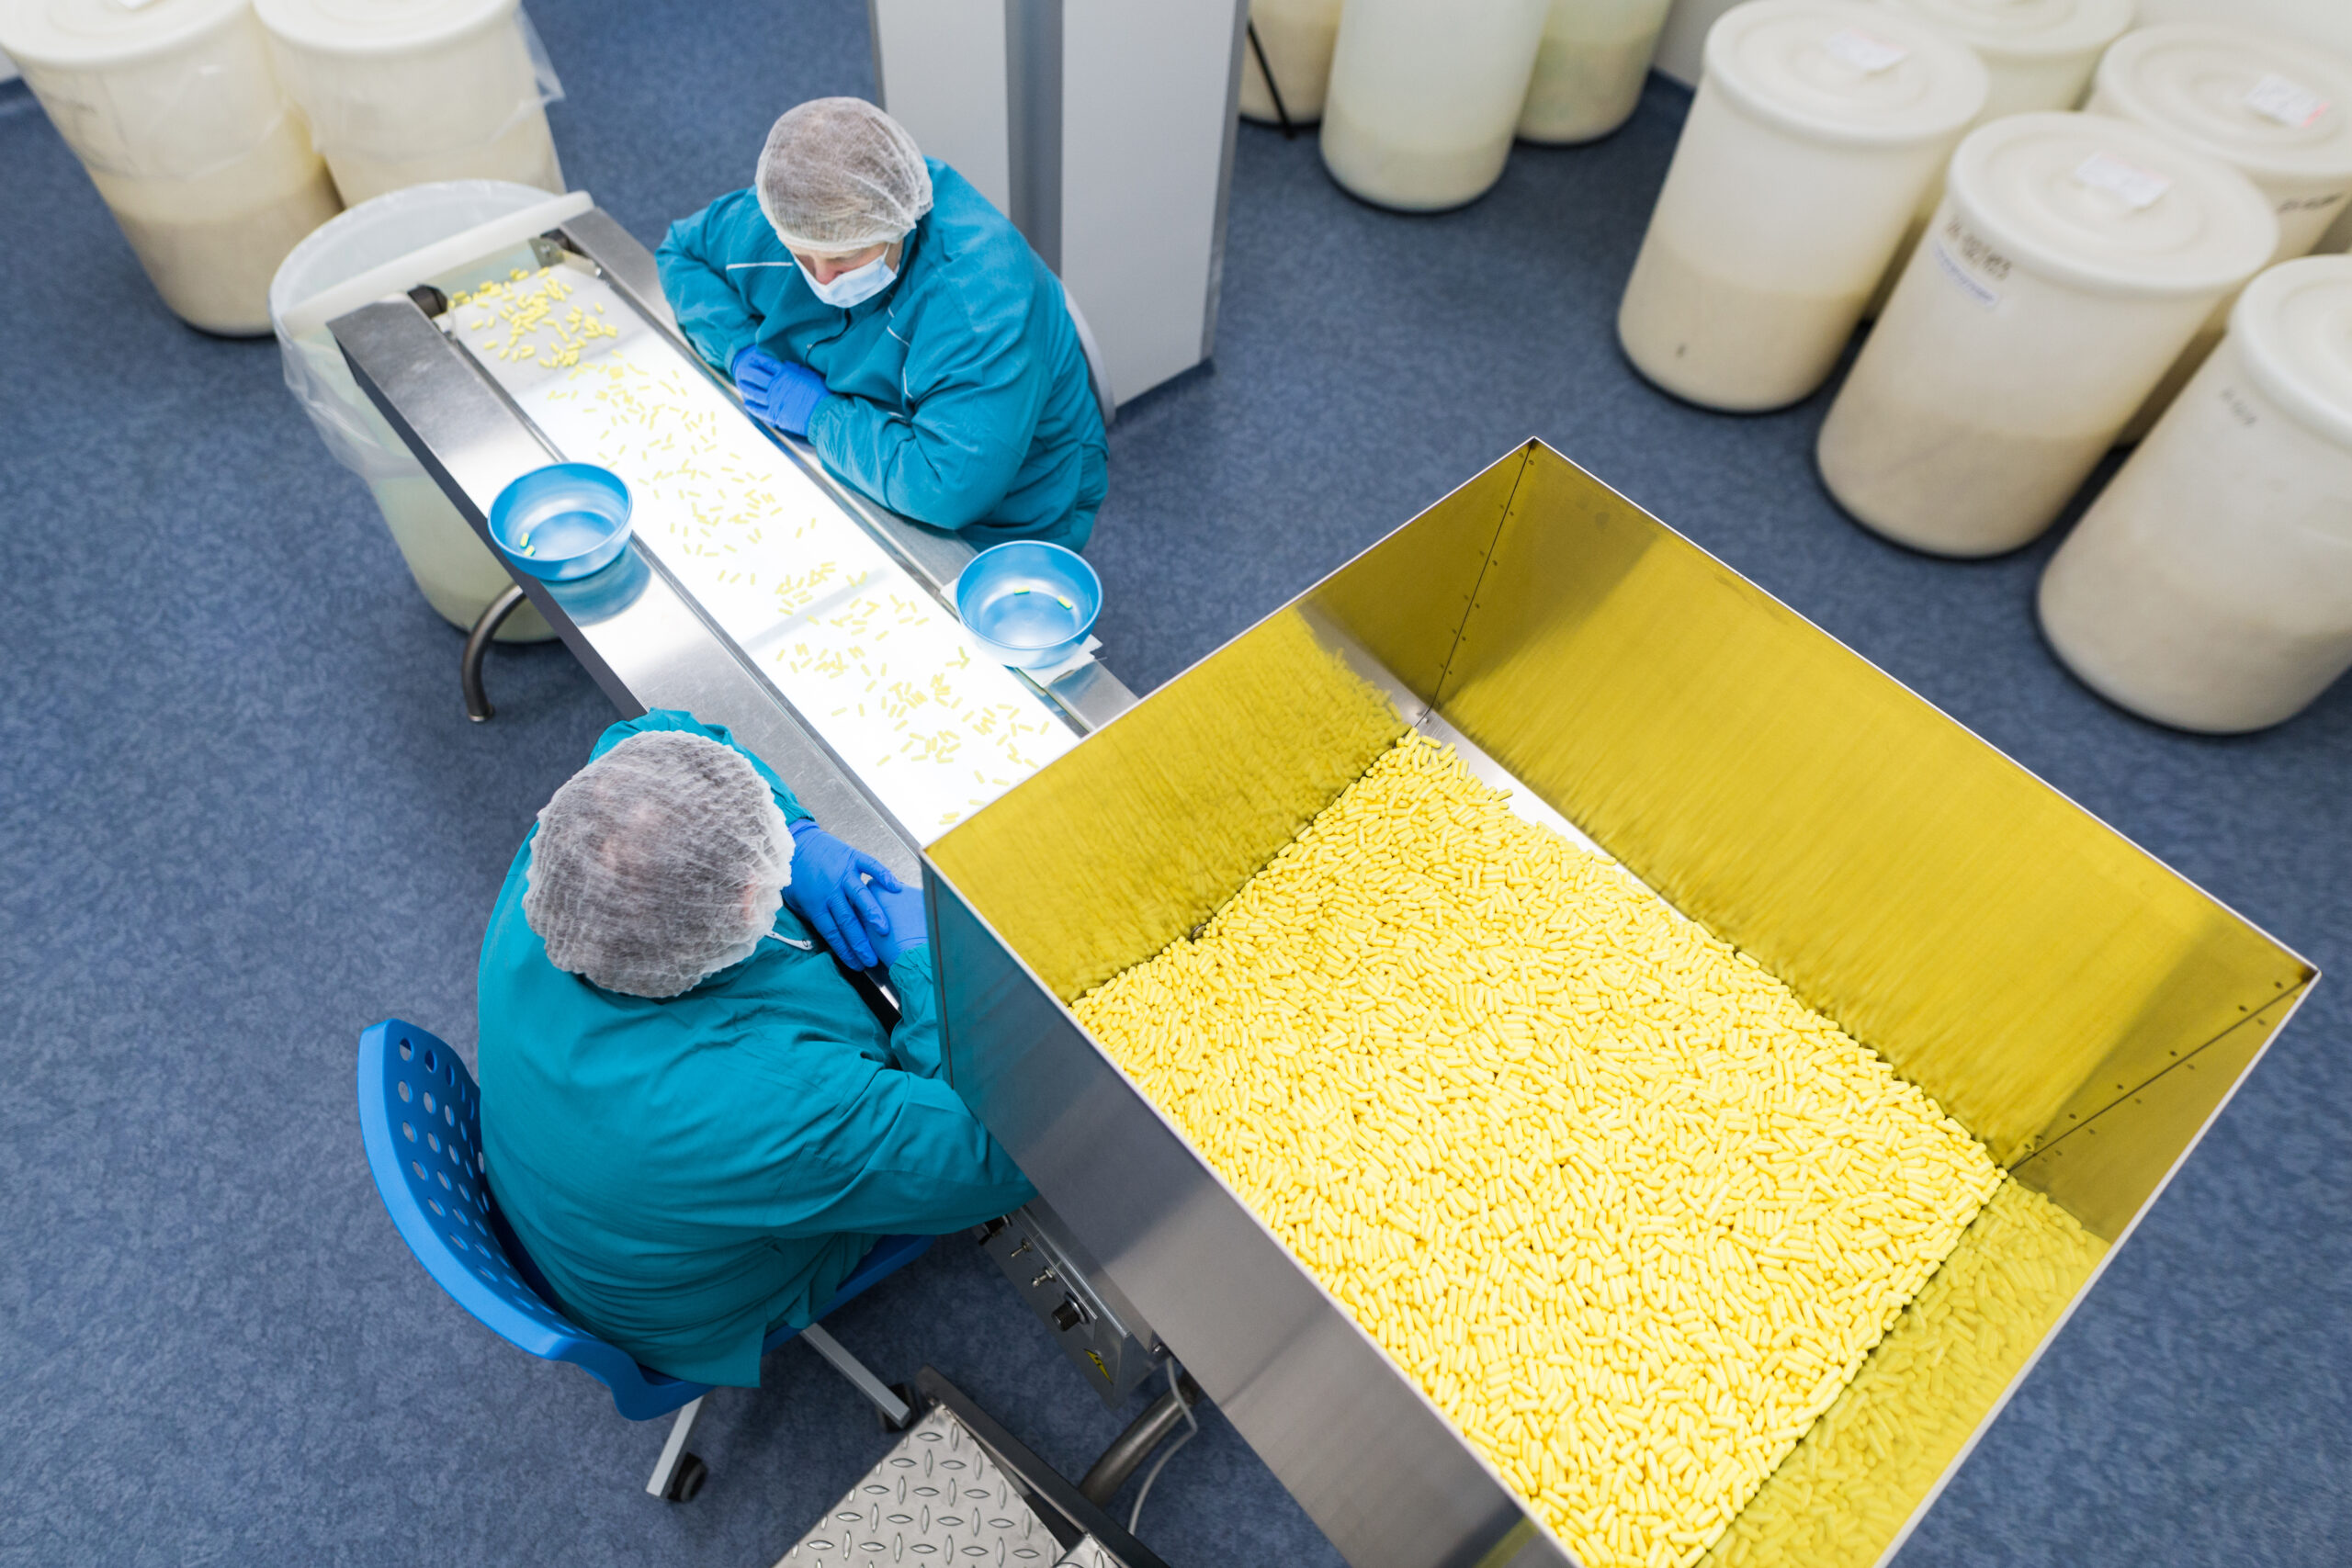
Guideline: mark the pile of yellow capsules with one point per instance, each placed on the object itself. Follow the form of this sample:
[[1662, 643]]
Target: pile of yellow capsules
[[523, 310], [1628, 1211]]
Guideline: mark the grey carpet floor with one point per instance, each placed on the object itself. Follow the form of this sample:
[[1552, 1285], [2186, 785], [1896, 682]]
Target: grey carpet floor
[[242, 816]]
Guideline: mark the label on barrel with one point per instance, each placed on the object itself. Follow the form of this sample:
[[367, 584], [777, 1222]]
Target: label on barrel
[[2289, 103], [1970, 261], [1863, 52], [2134, 187]]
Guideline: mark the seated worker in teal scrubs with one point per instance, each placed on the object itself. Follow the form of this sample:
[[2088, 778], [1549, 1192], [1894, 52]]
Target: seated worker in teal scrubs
[[870, 299], [693, 1123]]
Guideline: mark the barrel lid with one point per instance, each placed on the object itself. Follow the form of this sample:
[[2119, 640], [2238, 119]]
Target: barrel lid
[[80, 34], [2110, 206], [377, 27], [2276, 108], [1844, 70], [2026, 29], [2293, 328]]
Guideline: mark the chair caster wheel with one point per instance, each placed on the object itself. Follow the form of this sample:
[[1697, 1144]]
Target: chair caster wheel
[[687, 1480], [906, 1393]]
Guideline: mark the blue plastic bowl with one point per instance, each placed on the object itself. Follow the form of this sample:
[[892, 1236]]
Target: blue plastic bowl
[[1028, 603], [561, 522]]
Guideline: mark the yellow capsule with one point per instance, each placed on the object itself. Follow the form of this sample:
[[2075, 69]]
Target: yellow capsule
[[1627, 1210]]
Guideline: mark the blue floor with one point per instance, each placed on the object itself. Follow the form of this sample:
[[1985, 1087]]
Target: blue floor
[[242, 816]]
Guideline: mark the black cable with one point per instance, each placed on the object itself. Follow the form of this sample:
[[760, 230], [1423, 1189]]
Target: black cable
[[1273, 91]]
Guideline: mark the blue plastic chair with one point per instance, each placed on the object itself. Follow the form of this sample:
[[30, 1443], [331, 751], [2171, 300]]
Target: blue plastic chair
[[419, 1115]]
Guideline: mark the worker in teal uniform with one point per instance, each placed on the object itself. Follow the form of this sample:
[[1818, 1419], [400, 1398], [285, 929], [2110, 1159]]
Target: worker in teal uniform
[[692, 1121], [870, 299]]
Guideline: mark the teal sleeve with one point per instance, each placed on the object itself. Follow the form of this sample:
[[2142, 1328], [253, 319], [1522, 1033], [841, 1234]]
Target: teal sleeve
[[916, 1042], [906, 1157], [976, 393], [673, 718], [693, 260]]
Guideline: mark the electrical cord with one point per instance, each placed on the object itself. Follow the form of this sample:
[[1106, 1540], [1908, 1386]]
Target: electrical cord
[[1193, 1429]]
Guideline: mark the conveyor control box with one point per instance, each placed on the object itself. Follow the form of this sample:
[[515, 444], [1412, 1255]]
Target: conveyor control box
[[1108, 1345]]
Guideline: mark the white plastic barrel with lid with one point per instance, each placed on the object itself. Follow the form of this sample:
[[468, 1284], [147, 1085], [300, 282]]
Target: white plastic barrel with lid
[[2073, 256], [1815, 126], [173, 107], [2276, 111], [407, 92], [1298, 35], [1589, 70], [2209, 586], [387, 246], [2039, 55], [1423, 97]]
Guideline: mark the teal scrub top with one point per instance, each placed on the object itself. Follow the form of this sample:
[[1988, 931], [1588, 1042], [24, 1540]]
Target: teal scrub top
[[959, 392], [687, 1172]]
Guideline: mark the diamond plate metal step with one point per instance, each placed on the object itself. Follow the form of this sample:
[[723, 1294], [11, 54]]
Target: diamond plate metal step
[[936, 1500]]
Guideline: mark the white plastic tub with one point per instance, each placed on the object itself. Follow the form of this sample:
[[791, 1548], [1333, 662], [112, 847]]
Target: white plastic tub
[[2278, 110], [2070, 259], [1816, 124], [1298, 35], [175, 110], [1589, 70], [2039, 54], [2209, 587], [1424, 95], [386, 246], [418, 92]]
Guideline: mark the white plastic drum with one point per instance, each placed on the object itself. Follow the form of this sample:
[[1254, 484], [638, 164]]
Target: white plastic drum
[[2209, 587], [2039, 54], [1298, 35], [1816, 125], [1589, 70], [457, 571], [2276, 111], [1424, 94], [2070, 259], [407, 92], [173, 109]]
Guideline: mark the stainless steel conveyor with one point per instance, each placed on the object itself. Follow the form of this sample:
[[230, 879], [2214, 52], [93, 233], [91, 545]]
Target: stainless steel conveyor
[[649, 642], [637, 628]]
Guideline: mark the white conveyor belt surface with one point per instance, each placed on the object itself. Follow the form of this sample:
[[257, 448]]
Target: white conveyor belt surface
[[883, 671]]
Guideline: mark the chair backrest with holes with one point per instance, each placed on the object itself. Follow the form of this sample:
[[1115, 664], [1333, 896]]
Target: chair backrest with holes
[[419, 1115]]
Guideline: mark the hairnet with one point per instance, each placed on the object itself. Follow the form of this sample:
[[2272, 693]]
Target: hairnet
[[838, 174], [639, 873]]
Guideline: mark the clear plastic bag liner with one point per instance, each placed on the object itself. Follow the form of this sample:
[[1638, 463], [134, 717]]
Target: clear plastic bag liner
[[370, 237]]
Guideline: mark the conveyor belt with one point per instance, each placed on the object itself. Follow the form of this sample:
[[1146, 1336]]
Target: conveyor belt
[[859, 647]]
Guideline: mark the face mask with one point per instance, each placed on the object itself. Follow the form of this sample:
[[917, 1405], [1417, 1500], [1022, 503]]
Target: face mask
[[855, 286]]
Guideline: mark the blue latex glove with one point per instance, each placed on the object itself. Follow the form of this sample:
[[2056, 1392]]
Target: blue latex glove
[[903, 907], [783, 394], [828, 891]]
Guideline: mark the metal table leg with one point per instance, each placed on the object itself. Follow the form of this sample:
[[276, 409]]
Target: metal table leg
[[478, 706]]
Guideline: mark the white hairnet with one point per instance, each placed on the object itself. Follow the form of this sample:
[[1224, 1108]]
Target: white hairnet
[[838, 174], [663, 861]]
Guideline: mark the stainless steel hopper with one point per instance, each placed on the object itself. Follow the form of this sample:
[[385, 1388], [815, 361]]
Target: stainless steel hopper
[[2080, 1007]]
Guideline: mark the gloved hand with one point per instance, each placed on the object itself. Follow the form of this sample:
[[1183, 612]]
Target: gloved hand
[[908, 930], [828, 891], [784, 395]]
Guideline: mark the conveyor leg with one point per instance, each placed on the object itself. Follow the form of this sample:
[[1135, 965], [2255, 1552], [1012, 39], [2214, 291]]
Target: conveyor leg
[[894, 1409], [478, 706], [1281, 114], [1131, 1448], [674, 1453]]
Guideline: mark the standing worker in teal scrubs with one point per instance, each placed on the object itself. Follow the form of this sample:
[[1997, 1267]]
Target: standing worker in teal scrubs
[[692, 1121], [870, 299]]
